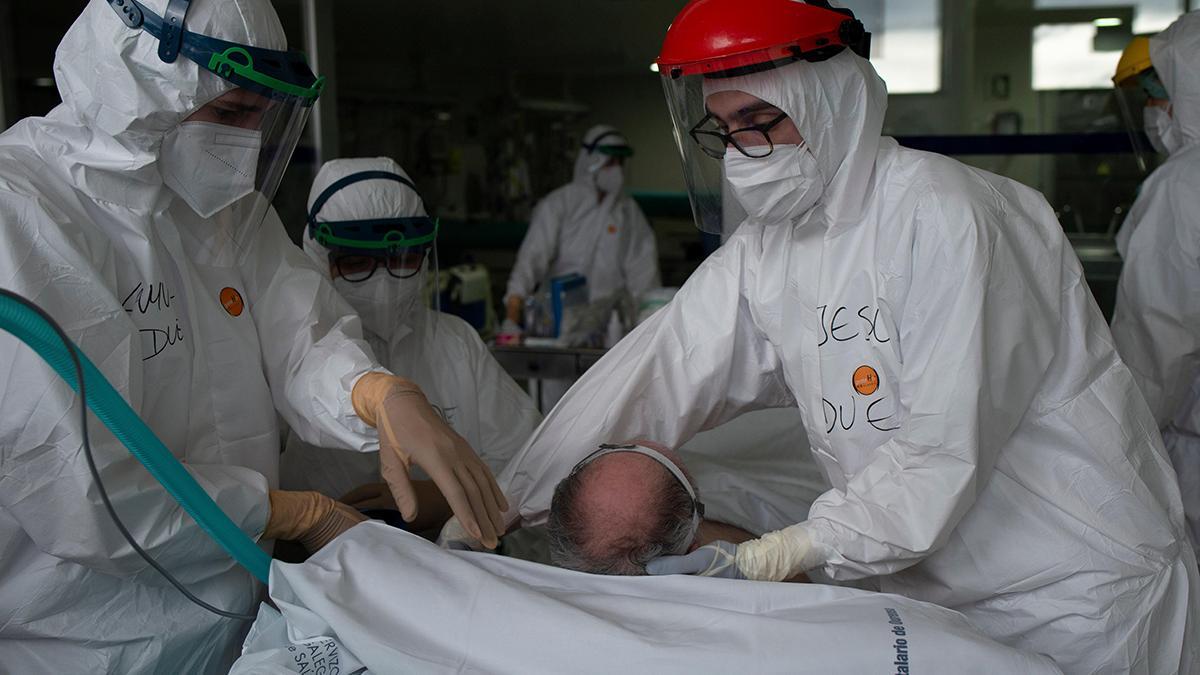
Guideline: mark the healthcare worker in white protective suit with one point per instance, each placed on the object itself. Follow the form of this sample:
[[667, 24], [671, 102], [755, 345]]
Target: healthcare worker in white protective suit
[[589, 226], [137, 215], [1156, 324], [386, 281], [988, 450]]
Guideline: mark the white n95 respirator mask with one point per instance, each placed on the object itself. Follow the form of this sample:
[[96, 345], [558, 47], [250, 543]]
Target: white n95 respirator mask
[[382, 302], [610, 179], [778, 188], [209, 166], [1161, 129]]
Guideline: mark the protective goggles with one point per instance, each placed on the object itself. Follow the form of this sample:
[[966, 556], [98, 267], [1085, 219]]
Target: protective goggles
[[607, 449]]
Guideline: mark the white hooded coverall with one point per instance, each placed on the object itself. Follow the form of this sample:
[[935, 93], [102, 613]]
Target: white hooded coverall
[[441, 353], [91, 234], [996, 459], [573, 230], [1156, 324]]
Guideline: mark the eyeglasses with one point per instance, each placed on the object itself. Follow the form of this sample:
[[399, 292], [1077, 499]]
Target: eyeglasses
[[752, 141], [357, 267]]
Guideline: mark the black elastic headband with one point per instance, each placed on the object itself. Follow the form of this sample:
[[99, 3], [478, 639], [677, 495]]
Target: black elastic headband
[[351, 180]]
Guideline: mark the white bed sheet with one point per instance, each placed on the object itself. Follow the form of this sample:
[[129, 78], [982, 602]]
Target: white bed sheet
[[380, 600]]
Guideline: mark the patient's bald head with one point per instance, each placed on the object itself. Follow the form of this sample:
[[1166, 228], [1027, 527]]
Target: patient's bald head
[[619, 512]]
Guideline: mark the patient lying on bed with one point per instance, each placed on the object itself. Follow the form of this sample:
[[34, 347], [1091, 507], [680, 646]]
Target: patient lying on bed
[[625, 505]]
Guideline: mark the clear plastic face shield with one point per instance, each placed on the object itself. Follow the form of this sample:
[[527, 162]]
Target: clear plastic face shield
[[402, 249], [1135, 94], [709, 123], [711, 117], [251, 130], [1137, 88]]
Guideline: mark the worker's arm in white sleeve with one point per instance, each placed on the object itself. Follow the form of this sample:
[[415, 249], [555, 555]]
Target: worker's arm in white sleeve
[[978, 331], [538, 249], [45, 484], [697, 363], [1156, 325], [507, 416], [641, 260], [312, 345]]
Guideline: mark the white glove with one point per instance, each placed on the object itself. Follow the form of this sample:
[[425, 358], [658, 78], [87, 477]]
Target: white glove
[[773, 557], [718, 559], [411, 432]]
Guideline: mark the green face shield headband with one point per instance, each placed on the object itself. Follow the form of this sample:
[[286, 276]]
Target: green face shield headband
[[622, 151], [371, 235]]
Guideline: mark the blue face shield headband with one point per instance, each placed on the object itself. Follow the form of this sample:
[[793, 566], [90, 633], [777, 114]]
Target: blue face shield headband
[[278, 75], [268, 104]]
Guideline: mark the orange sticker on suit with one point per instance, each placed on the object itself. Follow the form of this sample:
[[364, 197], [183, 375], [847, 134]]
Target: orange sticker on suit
[[232, 301], [866, 380]]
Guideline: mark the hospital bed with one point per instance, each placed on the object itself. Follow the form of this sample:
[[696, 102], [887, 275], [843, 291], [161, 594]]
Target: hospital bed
[[380, 600]]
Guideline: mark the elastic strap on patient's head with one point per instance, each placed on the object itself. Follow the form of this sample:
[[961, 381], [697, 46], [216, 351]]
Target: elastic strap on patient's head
[[608, 449]]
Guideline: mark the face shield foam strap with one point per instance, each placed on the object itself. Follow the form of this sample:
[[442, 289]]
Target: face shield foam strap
[[609, 150], [373, 234], [279, 75], [607, 449]]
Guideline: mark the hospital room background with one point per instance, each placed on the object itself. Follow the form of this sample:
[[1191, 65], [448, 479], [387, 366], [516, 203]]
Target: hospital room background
[[484, 103]]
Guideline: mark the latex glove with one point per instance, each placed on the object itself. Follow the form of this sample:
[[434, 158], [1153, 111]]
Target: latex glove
[[310, 518], [410, 431], [776, 556], [454, 537], [718, 559]]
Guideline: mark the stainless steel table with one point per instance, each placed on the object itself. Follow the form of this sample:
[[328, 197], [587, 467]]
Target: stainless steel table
[[535, 364]]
